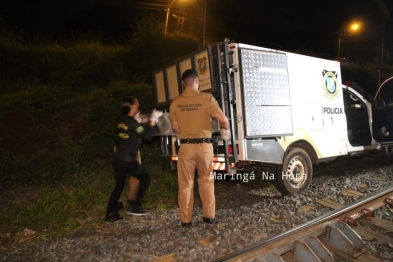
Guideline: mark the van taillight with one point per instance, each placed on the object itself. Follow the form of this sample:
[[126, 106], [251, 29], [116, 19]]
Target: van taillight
[[230, 150]]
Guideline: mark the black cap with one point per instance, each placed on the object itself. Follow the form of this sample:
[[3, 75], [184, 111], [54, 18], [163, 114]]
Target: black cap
[[188, 73]]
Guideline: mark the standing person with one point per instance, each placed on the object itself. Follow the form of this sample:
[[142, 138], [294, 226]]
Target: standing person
[[129, 132], [133, 182], [190, 116]]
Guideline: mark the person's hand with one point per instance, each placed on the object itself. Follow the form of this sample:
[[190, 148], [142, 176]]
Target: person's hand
[[225, 134], [138, 117], [155, 115]]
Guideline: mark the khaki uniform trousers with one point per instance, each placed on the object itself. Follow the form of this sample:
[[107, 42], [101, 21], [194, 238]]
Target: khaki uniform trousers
[[201, 157]]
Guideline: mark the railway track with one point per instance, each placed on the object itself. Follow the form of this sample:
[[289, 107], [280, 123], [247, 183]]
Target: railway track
[[340, 235]]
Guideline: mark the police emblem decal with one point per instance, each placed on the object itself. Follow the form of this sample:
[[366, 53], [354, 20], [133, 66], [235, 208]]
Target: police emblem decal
[[330, 84], [203, 67]]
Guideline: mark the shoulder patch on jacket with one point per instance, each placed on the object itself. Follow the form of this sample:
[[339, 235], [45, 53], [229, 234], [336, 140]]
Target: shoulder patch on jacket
[[139, 129], [122, 126]]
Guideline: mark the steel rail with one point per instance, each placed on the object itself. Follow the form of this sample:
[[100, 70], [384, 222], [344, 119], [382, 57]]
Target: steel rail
[[354, 209]]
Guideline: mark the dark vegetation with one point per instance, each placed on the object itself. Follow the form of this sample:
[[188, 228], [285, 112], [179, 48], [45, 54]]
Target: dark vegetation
[[58, 106]]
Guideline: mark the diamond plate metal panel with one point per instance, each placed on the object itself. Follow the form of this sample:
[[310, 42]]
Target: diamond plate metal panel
[[270, 120], [264, 59], [267, 88], [266, 93]]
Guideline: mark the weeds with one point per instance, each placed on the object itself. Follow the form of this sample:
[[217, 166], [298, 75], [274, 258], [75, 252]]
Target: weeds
[[55, 207], [66, 187], [57, 197]]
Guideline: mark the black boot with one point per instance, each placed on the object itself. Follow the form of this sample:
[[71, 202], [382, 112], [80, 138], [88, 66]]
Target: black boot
[[113, 217]]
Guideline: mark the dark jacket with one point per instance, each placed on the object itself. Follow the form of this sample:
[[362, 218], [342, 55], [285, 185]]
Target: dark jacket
[[128, 138]]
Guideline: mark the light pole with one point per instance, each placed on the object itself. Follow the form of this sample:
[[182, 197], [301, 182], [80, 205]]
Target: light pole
[[168, 10], [339, 44], [354, 27], [202, 25]]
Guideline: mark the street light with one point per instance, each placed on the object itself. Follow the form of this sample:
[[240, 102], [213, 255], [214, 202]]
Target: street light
[[168, 10], [354, 27], [202, 20]]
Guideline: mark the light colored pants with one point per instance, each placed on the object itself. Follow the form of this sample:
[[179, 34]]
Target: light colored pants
[[134, 185], [199, 156], [134, 182]]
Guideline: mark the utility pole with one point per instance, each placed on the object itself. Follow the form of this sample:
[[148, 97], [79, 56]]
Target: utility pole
[[202, 25], [167, 19], [339, 44], [382, 47]]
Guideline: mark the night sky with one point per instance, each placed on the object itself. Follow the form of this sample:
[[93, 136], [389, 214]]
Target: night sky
[[285, 24]]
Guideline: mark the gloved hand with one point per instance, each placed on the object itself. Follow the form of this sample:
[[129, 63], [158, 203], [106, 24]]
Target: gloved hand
[[155, 115], [138, 117], [225, 134]]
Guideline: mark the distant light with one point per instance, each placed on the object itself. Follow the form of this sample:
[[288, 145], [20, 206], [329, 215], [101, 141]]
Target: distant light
[[355, 26]]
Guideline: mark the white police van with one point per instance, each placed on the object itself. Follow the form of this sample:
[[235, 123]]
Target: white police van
[[287, 113]]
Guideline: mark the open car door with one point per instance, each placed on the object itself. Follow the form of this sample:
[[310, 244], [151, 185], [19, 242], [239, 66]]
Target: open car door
[[383, 114], [383, 121]]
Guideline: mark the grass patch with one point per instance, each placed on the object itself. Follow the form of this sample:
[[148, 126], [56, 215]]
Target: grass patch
[[54, 208], [60, 195]]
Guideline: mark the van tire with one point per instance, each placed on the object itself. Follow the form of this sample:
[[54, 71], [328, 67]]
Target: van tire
[[386, 156], [296, 162]]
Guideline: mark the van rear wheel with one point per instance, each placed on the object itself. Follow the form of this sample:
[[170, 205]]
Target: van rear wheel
[[296, 173]]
